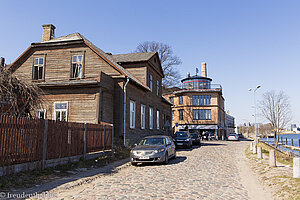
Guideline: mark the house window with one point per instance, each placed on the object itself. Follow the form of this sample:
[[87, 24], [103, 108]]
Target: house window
[[38, 69], [150, 118], [180, 114], [132, 114], [151, 82], [180, 99], [77, 66], [61, 111], [157, 119], [143, 116], [41, 114], [172, 100], [172, 115], [201, 114], [201, 100], [157, 88]]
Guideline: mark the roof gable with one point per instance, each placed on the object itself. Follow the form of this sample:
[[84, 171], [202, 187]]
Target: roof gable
[[141, 57], [78, 37]]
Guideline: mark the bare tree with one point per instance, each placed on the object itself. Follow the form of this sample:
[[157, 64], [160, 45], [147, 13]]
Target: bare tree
[[168, 61], [276, 109], [17, 97]]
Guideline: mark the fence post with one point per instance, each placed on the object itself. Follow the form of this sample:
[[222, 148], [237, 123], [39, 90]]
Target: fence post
[[286, 141], [84, 141], [296, 167], [299, 142], [272, 158], [103, 138], [45, 144], [259, 153], [112, 139], [292, 142], [254, 150]]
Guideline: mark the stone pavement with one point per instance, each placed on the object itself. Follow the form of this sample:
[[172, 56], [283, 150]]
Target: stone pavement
[[211, 171]]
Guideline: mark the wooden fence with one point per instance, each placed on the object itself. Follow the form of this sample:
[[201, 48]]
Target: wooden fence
[[26, 140]]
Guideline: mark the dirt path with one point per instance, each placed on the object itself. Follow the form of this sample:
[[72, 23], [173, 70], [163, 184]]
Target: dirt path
[[249, 179]]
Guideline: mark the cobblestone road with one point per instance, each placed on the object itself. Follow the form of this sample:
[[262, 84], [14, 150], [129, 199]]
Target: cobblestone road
[[208, 172]]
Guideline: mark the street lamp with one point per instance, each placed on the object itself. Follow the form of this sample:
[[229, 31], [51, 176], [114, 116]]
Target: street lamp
[[255, 126]]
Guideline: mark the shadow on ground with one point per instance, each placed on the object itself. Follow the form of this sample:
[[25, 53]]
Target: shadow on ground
[[173, 161], [245, 139], [187, 149], [212, 144]]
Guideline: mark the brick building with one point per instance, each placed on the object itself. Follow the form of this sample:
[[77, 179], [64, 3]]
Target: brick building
[[82, 83], [198, 106]]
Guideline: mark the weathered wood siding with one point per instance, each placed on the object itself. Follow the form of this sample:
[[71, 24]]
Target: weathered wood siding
[[58, 63], [139, 70]]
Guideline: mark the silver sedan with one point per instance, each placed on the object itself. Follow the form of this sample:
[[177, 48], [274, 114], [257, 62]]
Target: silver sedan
[[153, 149]]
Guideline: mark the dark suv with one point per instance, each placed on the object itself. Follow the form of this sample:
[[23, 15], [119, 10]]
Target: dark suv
[[183, 139], [195, 138]]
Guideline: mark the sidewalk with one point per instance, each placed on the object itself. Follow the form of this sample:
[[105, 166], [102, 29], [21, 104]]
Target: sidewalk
[[279, 180]]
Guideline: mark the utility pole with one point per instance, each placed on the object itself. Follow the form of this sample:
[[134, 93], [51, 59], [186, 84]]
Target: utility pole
[[255, 125]]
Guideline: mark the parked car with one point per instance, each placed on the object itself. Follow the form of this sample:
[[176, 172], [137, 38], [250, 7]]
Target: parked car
[[195, 138], [233, 136], [183, 139], [153, 149]]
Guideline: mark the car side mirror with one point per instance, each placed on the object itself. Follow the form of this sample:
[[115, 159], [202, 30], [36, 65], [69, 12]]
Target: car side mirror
[[135, 145]]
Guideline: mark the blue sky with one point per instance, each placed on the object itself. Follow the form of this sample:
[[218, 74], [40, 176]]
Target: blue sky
[[244, 43]]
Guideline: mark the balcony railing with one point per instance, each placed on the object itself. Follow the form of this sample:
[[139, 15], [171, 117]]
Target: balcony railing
[[210, 87]]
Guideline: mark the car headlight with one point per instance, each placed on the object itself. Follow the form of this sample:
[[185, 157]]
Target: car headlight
[[187, 139], [160, 150]]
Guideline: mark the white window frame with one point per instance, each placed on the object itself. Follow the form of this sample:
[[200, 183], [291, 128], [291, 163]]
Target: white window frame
[[151, 82], [132, 113], [150, 118], [143, 116], [77, 64], [40, 111], [40, 67], [157, 119], [61, 110]]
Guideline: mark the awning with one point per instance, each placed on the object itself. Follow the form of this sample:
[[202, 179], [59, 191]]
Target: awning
[[198, 126]]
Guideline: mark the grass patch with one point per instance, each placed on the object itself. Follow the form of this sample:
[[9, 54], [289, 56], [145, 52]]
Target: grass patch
[[32, 178]]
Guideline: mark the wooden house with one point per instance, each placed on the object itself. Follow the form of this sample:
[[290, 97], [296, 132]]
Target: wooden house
[[82, 83]]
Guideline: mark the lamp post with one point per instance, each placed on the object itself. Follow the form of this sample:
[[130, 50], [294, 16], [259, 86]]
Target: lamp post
[[255, 126]]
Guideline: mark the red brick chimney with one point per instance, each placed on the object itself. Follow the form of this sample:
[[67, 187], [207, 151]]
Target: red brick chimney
[[203, 70]]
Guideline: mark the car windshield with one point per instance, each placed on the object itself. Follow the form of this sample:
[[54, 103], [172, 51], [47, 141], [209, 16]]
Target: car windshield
[[181, 134], [232, 134], [152, 141], [194, 135]]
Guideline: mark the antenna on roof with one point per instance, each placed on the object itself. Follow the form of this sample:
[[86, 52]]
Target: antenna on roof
[[197, 71]]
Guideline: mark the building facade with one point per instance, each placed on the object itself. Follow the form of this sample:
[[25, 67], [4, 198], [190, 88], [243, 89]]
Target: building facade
[[230, 124], [82, 83], [198, 106]]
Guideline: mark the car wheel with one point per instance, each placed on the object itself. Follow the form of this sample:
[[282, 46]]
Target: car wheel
[[166, 159], [134, 164]]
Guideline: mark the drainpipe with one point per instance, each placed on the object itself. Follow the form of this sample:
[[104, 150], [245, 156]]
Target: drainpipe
[[124, 123]]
